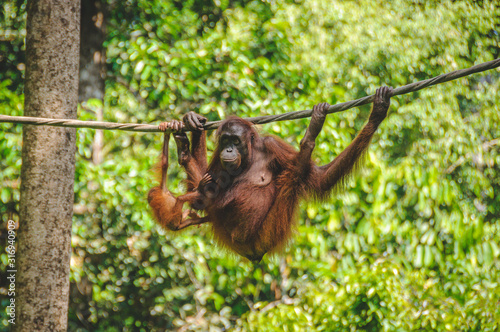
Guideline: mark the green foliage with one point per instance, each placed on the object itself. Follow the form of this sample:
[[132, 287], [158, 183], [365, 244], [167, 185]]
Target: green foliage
[[11, 103], [412, 244]]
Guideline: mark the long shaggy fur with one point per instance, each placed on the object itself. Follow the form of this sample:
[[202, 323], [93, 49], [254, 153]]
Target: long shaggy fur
[[165, 208], [252, 209]]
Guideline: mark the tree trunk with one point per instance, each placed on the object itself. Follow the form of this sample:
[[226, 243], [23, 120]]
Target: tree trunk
[[92, 53], [48, 169], [93, 64]]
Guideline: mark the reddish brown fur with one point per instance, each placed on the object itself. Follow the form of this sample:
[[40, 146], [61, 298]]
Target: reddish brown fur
[[167, 208], [252, 210]]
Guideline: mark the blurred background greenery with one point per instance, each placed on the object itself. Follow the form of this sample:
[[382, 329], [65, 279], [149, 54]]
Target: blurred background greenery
[[412, 244]]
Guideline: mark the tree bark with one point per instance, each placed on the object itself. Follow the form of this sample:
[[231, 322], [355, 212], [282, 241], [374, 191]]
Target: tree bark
[[48, 169], [92, 53], [93, 64]]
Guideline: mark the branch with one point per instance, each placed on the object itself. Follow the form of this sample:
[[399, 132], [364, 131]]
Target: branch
[[485, 146]]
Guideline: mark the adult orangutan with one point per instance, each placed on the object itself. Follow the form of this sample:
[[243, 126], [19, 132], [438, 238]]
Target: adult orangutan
[[253, 185]]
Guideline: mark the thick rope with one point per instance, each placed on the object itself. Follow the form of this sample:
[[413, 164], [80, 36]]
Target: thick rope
[[257, 120]]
